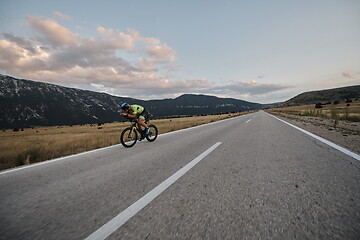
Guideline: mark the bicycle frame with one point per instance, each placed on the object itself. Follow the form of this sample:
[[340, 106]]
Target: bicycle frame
[[134, 127]]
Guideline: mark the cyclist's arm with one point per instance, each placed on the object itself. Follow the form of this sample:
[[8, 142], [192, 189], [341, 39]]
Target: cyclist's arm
[[128, 115]]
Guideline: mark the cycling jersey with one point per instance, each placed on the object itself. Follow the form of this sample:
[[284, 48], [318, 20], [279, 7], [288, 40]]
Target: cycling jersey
[[136, 109]]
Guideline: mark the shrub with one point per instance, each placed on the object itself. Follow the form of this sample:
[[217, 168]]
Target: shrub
[[309, 112], [349, 101], [319, 113], [336, 102], [318, 105], [335, 116], [29, 156], [347, 113]]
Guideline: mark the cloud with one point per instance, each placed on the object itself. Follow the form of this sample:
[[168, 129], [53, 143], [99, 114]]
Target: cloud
[[116, 40], [147, 65], [152, 87], [21, 42], [54, 33], [62, 16], [162, 52], [248, 88], [56, 54], [122, 40], [9, 53]]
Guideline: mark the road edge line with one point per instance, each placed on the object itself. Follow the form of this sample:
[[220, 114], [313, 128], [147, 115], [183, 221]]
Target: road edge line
[[55, 159], [323, 140]]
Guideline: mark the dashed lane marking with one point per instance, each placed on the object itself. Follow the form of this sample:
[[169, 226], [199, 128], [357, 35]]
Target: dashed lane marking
[[115, 223]]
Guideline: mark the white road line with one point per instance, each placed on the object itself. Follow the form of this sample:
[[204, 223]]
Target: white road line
[[341, 149], [248, 121], [56, 159], [115, 223]]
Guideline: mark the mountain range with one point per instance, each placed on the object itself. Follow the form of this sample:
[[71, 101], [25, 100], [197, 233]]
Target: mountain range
[[26, 103]]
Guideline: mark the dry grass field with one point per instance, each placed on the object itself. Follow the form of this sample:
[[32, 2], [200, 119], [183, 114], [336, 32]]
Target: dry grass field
[[340, 111], [342, 116], [39, 144]]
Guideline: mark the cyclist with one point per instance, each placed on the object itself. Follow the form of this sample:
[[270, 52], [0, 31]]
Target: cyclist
[[138, 112]]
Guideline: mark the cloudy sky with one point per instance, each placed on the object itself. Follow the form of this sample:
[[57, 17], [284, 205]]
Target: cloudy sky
[[260, 51]]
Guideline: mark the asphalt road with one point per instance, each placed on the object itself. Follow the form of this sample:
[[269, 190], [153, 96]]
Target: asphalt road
[[262, 179]]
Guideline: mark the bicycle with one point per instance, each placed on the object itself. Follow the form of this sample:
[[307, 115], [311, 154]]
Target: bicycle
[[130, 135]]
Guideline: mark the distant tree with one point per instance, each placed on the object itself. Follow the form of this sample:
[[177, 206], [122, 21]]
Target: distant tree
[[336, 102], [349, 101], [318, 105]]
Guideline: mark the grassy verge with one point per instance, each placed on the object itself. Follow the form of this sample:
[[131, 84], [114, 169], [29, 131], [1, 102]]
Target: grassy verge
[[44, 143], [342, 111], [343, 117]]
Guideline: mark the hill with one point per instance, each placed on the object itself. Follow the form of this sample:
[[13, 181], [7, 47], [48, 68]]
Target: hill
[[323, 96], [190, 104], [25, 103]]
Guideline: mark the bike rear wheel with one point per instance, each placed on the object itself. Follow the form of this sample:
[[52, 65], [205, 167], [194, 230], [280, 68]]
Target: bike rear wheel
[[128, 137], [153, 133]]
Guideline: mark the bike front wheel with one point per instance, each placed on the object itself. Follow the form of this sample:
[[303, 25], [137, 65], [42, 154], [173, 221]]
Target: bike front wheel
[[128, 137], [153, 133]]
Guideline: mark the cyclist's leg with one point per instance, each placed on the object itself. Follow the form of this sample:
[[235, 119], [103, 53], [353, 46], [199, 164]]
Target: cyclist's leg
[[141, 122], [147, 116]]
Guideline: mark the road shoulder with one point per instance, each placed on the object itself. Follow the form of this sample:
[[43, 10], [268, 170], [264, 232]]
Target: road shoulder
[[346, 135]]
